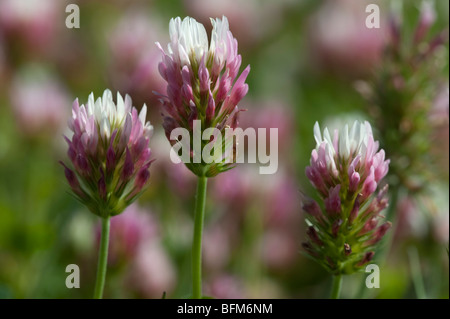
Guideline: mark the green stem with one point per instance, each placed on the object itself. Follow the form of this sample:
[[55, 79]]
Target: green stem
[[416, 273], [102, 259], [337, 285], [200, 200]]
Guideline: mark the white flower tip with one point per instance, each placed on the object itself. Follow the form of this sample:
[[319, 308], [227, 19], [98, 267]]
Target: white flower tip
[[173, 22], [128, 103], [119, 96], [107, 95], [91, 97], [120, 107], [317, 134], [368, 127], [143, 114]]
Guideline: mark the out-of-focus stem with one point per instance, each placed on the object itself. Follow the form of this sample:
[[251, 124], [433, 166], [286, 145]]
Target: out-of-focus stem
[[416, 273], [336, 288]]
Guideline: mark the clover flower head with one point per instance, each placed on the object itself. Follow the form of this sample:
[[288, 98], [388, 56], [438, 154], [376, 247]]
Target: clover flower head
[[346, 170], [202, 82], [109, 151]]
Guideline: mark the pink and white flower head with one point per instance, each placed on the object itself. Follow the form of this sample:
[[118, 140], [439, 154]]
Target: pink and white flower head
[[202, 82], [346, 170], [110, 153]]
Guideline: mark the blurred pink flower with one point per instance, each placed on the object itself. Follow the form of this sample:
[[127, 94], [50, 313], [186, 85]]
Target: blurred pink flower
[[39, 102], [216, 247], [419, 217], [225, 287], [181, 179], [178, 177], [233, 188], [411, 222], [135, 58], [439, 118], [128, 232], [340, 40], [438, 208], [279, 249], [441, 226], [135, 242], [278, 195], [152, 272], [441, 102], [35, 22], [271, 114], [282, 202]]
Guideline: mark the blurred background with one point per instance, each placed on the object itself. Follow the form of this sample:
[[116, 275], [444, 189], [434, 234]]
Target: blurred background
[[310, 61]]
